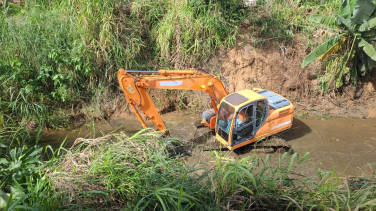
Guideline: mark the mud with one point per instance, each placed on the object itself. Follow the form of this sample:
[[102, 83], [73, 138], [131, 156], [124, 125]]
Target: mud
[[346, 143]]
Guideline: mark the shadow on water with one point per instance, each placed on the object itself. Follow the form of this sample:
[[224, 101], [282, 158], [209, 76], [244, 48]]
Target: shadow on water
[[298, 130], [203, 138]]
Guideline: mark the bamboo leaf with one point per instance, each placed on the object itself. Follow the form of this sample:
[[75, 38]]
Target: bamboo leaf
[[321, 50], [368, 25], [363, 10], [372, 202], [251, 177], [18, 202], [289, 166], [368, 49], [177, 192], [25, 207]]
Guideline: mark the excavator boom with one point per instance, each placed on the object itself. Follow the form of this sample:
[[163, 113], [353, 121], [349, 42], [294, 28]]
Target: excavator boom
[[135, 89]]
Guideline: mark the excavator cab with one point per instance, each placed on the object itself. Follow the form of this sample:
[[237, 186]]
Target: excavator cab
[[240, 117]]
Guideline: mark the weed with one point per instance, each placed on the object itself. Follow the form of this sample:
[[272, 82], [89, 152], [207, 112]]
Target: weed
[[142, 172], [60, 54]]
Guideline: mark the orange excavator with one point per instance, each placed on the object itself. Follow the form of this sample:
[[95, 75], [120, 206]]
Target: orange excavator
[[239, 118]]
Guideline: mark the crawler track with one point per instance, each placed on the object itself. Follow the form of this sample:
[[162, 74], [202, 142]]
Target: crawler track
[[272, 144]]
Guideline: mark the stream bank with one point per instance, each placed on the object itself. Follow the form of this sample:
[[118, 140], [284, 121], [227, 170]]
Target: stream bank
[[348, 144]]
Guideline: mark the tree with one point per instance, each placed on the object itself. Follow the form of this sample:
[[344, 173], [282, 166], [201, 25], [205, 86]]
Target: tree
[[357, 30]]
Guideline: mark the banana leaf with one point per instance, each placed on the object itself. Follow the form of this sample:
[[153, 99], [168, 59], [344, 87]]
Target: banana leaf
[[362, 11], [334, 48], [347, 8], [369, 35], [323, 50], [339, 79], [367, 64], [368, 25], [329, 21], [368, 49], [346, 22]]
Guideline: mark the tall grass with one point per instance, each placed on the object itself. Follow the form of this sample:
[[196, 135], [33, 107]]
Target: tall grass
[[60, 53], [143, 172], [281, 21], [186, 32]]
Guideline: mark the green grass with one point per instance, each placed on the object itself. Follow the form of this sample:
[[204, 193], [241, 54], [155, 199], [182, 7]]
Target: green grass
[[282, 21], [143, 172], [65, 54], [62, 54]]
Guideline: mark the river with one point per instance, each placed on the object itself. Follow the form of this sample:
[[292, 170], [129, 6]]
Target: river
[[346, 143]]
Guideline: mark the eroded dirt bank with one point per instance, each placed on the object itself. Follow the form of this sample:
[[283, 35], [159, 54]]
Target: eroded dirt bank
[[269, 68], [281, 72], [346, 143]]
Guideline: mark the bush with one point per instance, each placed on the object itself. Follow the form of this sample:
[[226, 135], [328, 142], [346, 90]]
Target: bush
[[59, 54]]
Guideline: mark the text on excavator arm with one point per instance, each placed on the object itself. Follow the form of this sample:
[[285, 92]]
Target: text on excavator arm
[[135, 90]]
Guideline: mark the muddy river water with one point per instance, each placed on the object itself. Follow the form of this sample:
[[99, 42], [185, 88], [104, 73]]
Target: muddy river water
[[348, 144]]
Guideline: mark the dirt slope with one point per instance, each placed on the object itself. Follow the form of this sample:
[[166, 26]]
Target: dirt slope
[[273, 69], [281, 72]]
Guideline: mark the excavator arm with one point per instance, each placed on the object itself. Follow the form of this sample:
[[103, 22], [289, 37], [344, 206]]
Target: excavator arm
[[135, 90]]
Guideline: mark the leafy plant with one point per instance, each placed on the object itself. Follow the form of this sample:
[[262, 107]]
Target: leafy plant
[[63, 54], [356, 30], [19, 166]]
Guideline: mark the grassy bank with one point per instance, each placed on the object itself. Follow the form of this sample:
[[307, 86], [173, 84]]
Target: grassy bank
[[62, 55], [143, 172]]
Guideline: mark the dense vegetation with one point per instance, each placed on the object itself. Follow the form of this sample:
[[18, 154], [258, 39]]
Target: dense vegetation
[[143, 172], [356, 31], [59, 55]]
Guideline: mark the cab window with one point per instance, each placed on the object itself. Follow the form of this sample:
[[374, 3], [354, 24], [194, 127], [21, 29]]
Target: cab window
[[225, 116], [260, 112], [244, 116], [244, 124]]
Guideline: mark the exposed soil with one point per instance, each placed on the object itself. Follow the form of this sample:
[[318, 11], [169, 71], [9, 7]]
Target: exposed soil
[[270, 68], [281, 72]]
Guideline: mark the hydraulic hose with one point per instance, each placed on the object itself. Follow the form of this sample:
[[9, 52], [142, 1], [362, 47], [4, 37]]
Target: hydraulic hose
[[139, 95], [216, 99], [201, 70], [225, 81]]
